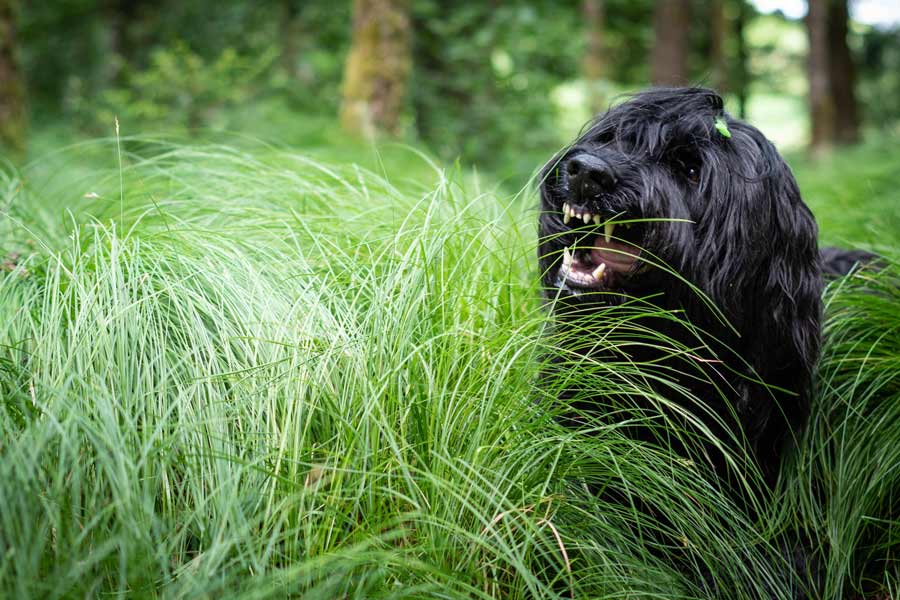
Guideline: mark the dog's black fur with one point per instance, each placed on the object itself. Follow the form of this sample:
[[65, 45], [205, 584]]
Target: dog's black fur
[[837, 262], [724, 240], [725, 215]]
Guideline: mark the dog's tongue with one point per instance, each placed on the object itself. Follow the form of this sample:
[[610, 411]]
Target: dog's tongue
[[616, 255]]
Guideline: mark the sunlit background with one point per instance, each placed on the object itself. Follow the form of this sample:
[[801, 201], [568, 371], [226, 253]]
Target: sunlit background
[[882, 13]]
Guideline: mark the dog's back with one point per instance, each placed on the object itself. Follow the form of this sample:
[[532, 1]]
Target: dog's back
[[837, 262]]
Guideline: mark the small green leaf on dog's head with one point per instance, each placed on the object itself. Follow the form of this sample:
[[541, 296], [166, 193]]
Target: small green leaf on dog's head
[[722, 127]]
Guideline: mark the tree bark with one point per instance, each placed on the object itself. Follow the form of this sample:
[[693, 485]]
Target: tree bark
[[842, 73], [821, 103], [669, 57], [742, 72], [834, 112], [377, 68], [594, 64], [12, 84], [717, 46]]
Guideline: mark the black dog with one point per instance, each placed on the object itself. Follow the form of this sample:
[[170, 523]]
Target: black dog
[[666, 196], [666, 200]]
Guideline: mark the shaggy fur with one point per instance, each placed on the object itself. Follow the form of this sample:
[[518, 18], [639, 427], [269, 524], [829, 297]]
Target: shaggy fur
[[721, 235], [708, 225]]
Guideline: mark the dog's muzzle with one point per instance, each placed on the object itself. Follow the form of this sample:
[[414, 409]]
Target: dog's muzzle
[[607, 242], [589, 178]]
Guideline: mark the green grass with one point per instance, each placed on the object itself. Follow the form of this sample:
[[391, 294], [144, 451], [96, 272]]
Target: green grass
[[851, 449], [855, 193], [249, 374]]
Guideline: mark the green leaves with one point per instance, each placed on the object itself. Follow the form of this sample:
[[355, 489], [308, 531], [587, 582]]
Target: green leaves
[[722, 127]]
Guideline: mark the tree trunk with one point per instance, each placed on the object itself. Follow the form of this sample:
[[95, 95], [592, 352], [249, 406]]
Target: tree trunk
[[717, 46], [12, 85], [290, 34], [821, 103], [834, 113], [594, 64], [377, 68], [669, 58], [742, 73], [842, 73]]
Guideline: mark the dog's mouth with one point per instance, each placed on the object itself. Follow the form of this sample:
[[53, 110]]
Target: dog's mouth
[[607, 250]]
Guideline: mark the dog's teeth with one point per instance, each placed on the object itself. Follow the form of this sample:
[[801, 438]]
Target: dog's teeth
[[598, 272], [586, 218], [596, 219], [567, 257], [566, 218], [608, 231], [565, 208]]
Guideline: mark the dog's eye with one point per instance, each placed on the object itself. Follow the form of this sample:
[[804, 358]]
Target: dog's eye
[[689, 167], [604, 137], [685, 163], [692, 173]]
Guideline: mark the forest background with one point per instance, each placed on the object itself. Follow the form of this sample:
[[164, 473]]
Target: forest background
[[498, 85]]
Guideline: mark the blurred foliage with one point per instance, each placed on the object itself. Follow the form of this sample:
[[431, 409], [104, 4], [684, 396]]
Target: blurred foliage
[[64, 44], [484, 74], [77, 52], [317, 38], [778, 60], [179, 89], [879, 86], [497, 84]]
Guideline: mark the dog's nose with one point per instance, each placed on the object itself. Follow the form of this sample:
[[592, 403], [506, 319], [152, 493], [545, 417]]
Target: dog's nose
[[589, 176]]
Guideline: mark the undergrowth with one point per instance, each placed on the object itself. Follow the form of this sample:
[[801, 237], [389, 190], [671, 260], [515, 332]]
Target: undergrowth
[[253, 375]]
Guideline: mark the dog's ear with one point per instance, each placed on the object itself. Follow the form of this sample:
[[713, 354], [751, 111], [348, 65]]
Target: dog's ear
[[794, 283], [786, 345], [758, 241]]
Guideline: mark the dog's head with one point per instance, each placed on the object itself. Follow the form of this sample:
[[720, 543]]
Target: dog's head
[[667, 194]]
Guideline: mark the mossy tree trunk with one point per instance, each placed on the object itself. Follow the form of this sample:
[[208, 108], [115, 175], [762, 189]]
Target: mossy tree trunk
[[377, 69], [12, 84]]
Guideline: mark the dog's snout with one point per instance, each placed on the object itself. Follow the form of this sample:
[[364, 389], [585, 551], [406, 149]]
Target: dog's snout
[[589, 176]]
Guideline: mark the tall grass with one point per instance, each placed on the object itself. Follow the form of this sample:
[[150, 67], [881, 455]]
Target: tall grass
[[251, 375], [850, 459]]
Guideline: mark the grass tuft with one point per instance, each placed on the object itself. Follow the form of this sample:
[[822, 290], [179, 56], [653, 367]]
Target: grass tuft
[[254, 375]]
